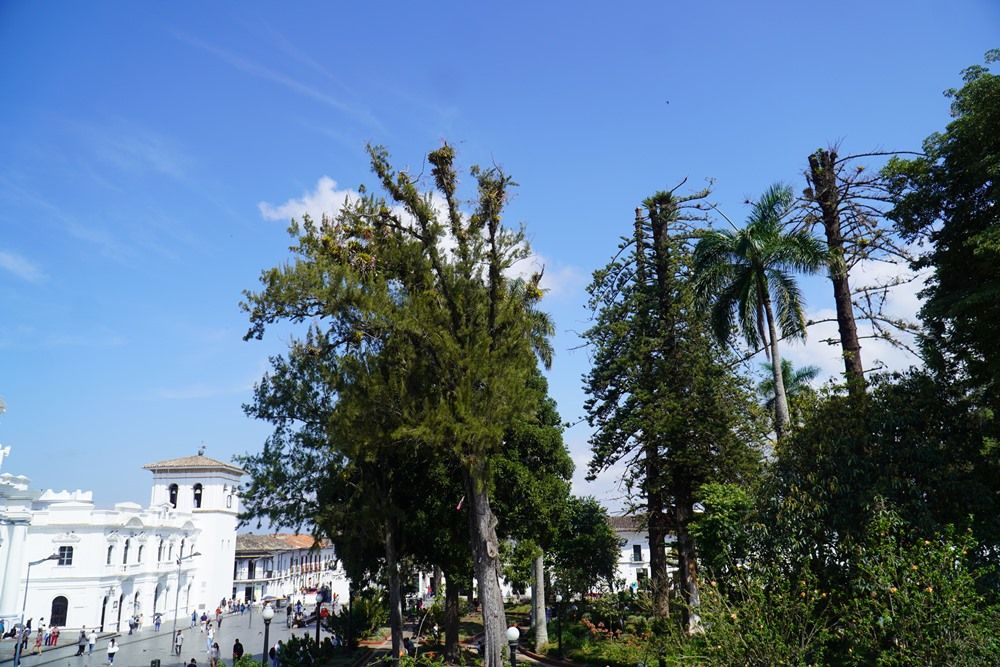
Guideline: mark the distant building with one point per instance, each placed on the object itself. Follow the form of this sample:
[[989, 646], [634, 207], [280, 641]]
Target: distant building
[[113, 564], [286, 566], [633, 560]]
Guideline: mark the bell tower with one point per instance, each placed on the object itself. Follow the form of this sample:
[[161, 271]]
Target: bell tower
[[207, 490]]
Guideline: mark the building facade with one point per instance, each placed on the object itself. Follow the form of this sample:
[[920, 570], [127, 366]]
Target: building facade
[[109, 565], [286, 566], [633, 560]]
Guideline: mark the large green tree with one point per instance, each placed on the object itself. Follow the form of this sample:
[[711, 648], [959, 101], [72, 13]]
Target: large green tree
[[663, 398], [950, 201], [746, 276], [419, 272]]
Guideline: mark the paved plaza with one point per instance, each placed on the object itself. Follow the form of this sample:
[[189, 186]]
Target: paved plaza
[[139, 649]]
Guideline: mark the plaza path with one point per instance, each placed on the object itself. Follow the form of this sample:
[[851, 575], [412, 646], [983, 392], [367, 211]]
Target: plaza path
[[139, 649]]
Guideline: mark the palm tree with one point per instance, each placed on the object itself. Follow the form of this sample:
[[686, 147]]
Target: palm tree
[[796, 381], [745, 275]]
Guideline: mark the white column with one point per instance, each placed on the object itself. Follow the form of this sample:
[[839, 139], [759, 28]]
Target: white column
[[15, 537]]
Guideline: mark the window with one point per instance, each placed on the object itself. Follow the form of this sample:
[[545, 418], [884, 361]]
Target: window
[[111, 553], [170, 552], [181, 554], [173, 495], [197, 495], [159, 552], [138, 558], [59, 606], [641, 576], [65, 555], [125, 553], [637, 553]]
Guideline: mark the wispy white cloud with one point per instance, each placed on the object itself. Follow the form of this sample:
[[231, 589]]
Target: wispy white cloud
[[558, 279], [274, 76], [325, 199], [21, 267]]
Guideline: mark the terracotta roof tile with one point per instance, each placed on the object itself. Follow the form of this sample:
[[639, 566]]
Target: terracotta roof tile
[[198, 462]]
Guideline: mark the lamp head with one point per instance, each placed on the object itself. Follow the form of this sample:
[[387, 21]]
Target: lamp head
[[267, 613], [319, 597], [513, 634]]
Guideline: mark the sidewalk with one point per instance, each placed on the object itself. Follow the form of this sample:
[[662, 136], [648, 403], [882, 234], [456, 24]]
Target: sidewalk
[[139, 649]]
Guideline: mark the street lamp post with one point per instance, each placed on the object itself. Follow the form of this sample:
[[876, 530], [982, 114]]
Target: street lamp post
[[24, 605], [267, 613], [559, 618], [513, 634], [177, 594], [319, 606]]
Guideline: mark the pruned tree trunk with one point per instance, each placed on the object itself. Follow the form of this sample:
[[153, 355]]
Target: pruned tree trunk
[[395, 599], [781, 417], [687, 564], [452, 650], [538, 603], [485, 552], [656, 503], [823, 175]]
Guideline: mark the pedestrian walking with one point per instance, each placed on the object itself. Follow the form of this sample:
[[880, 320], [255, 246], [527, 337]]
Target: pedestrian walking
[[157, 620], [237, 650], [55, 635], [81, 641], [178, 642], [192, 663], [112, 650], [211, 638], [39, 639], [47, 632], [91, 641], [194, 618], [273, 655], [215, 655]]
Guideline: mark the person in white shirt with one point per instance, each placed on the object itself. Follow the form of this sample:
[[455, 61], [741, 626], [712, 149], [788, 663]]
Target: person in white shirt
[[91, 641]]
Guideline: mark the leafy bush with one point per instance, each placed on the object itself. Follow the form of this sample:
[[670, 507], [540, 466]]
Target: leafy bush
[[913, 601], [368, 612], [246, 661]]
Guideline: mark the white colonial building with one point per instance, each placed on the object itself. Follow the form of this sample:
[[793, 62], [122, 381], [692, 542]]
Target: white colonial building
[[633, 560], [111, 564], [286, 566]]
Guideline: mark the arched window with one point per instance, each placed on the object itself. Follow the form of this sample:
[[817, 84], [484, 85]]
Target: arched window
[[173, 495], [58, 614], [197, 495], [159, 552], [125, 553], [111, 553], [138, 557], [170, 551], [181, 554]]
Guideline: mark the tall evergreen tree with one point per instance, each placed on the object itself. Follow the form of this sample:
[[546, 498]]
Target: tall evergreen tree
[[434, 279], [662, 396]]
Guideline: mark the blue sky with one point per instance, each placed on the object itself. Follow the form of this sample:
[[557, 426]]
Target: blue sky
[[149, 153]]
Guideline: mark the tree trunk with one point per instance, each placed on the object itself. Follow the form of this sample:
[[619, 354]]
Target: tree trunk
[[822, 172], [659, 578], [687, 564], [452, 650], [485, 553], [436, 581], [395, 601], [656, 503], [781, 418], [538, 604]]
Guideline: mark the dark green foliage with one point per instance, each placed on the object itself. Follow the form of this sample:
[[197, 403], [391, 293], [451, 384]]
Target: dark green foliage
[[586, 550], [368, 613], [917, 443], [721, 529], [662, 393], [950, 200]]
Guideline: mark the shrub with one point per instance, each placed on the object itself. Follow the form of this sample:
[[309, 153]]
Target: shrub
[[368, 613]]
